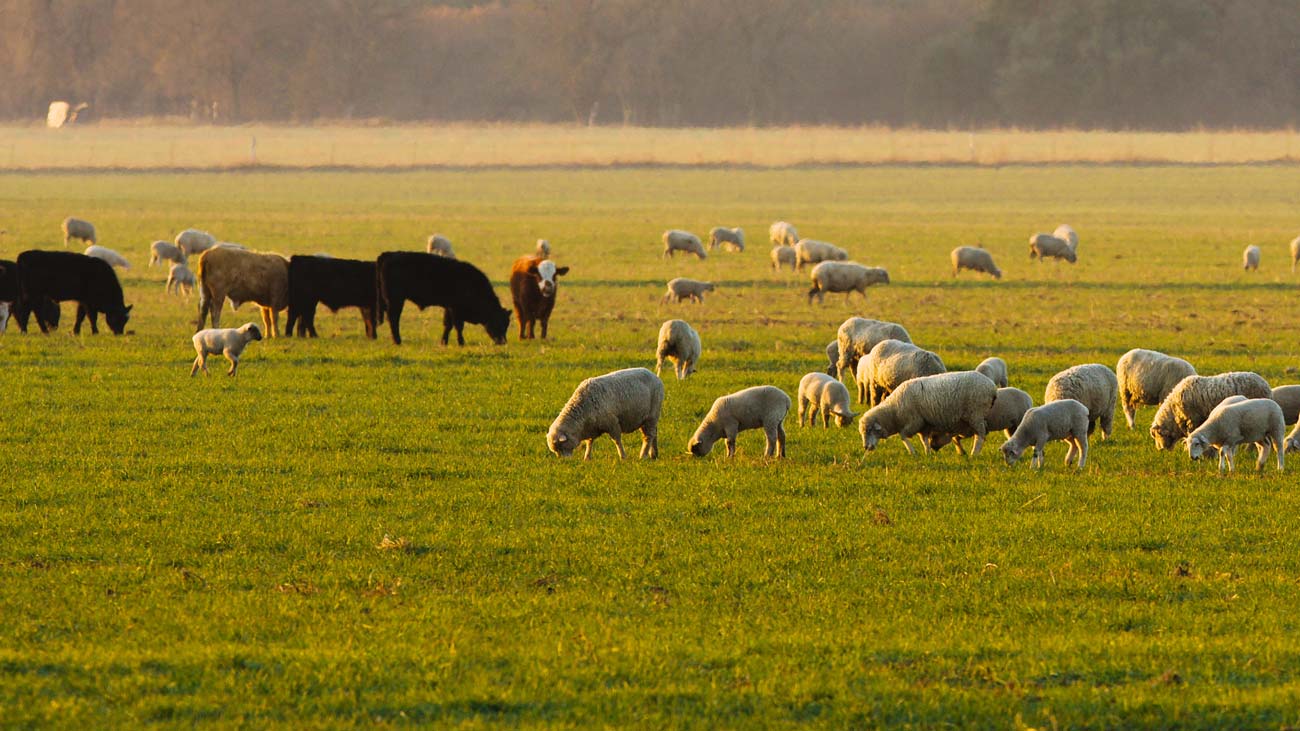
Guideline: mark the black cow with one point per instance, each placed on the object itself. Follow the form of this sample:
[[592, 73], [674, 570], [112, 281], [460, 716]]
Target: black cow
[[335, 283], [46, 278], [427, 280], [9, 293]]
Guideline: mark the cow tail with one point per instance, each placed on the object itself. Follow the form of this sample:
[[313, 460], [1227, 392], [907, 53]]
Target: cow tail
[[205, 297]]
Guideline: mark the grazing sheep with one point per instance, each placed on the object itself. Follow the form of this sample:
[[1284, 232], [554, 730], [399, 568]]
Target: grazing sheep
[[891, 364], [858, 335], [616, 403], [976, 259], [1146, 377], [543, 250], [1288, 397], [1295, 252], [759, 407], [192, 241], [440, 245], [996, 370], [163, 251], [1250, 259], [180, 279], [676, 240], [679, 342], [809, 251], [243, 276], [75, 228], [783, 234], [1093, 385], [953, 403], [1065, 233], [1238, 421], [1046, 246], [229, 342], [844, 276], [833, 358], [683, 288], [819, 392], [731, 239], [113, 258], [1193, 398], [1009, 408], [782, 255], [1066, 420]]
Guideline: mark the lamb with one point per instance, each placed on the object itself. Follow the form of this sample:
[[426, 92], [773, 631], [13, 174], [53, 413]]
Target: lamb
[[1009, 407], [1193, 398], [1065, 233], [1046, 246], [858, 335], [1295, 253], [113, 258], [995, 369], [163, 251], [954, 403], [76, 228], [543, 250], [782, 255], [180, 279], [819, 392], [730, 239], [1250, 259], [976, 259], [1093, 385], [758, 407], [1066, 420], [616, 403], [890, 364], [229, 341], [844, 276], [1146, 377], [809, 251], [679, 342], [783, 234], [192, 241], [1238, 421], [440, 245], [676, 240], [683, 288], [1288, 397], [833, 358]]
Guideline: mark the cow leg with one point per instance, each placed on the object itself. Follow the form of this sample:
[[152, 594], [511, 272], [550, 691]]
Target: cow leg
[[294, 318], [214, 311], [546, 321], [460, 332], [367, 319], [449, 322], [523, 323], [81, 317], [94, 321]]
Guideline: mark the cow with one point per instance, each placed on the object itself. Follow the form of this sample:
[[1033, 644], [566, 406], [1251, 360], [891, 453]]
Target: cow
[[46, 278], [534, 284], [243, 276], [9, 297], [428, 280], [335, 283]]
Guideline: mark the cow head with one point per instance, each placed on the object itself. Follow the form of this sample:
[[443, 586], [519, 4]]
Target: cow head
[[117, 319], [546, 273], [497, 325]]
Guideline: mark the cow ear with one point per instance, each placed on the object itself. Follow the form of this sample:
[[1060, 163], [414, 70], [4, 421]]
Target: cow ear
[[561, 270], [127, 310]]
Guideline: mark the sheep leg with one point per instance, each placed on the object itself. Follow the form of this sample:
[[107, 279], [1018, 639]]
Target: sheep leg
[[907, 442], [649, 441], [1069, 453], [956, 442], [826, 417], [587, 454], [1040, 456], [234, 361], [1107, 424], [199, 361], [780, 440], [769, 448], [1262, 448], [1222, 460], [979, 444], [1130, 411], [1083, 450], [618, 443], [729, 434], [1279, 446], [680, 369], [803, 404]]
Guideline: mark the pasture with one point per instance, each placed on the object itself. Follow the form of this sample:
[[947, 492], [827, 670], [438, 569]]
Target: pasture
[[353, 533]]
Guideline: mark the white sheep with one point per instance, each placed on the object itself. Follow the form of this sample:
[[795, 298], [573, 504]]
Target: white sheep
[[1193, 398], [954, 403], [229, 341], [1093, 385], [1146, 377], [1046, 246], [1065, 233], [782, 255], [676, 240], [682, 288], [113, 258], [439, 245], [1295, 253], [229, 245], [858, 335], [758, 407], [616, 403], [543, 250], [1288, 397], [976, 259], [679, 342], [76, 228], [164, 251], [996, 370], [1066, 420], [1009, 407], [1250, 258], [890, 364], [833, 359], [180, 279], [844, 276], [192, 241], [1236, 421], [810, 251], [730, 239], [783, 234], [819, 392]]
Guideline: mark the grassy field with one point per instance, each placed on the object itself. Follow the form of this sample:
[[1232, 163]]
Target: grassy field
[[354, 533]]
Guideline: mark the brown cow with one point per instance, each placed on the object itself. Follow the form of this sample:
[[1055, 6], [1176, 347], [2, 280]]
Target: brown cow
[[243, 276], [533, 286]]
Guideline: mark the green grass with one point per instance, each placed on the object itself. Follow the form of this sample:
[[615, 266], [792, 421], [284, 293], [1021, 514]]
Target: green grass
[[182, 552]]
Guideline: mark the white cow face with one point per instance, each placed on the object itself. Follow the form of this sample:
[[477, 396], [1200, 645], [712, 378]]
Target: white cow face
[[547, 273]]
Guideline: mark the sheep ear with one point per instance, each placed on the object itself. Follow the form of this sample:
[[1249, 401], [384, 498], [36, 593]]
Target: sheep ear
[[560, 438]]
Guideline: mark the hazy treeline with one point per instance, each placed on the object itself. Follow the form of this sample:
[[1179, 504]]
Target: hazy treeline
[[1087, 63]]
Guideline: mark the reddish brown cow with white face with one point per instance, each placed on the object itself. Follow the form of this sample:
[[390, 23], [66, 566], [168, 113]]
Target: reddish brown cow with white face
[[533, 285]]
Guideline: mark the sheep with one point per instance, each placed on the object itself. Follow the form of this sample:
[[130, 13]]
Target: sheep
[[683, 288], [782, 255], [890, 364], [1046, 246], [858, 335], [844, 276], [819, 392], [1288, 397], [1146, 377], [954, 403], [1066, 420], [1295, 253], [1065, 233], [731, 239], [809, 251], [192, 241], [783, 234], [543, 250], [1193, 398], [229, 342], [1236, 421], [180, 279], [616, 403], [976, 259], [164, 251], [676, 240], [1093, 385], [833, 358], [230, 245], [758, 407], [1009, 407], [679, 342], [76, 228], [440, 245], [996, 370], [1250, 259], [113, 258], [4, 317]]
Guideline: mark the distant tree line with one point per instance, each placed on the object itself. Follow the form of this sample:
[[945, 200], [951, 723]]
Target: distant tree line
[[1156, 64]]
